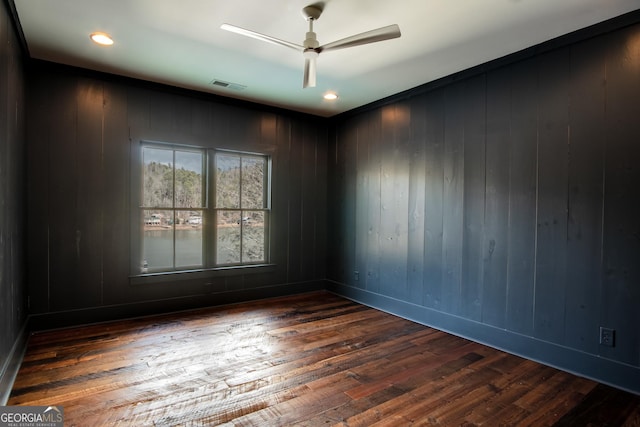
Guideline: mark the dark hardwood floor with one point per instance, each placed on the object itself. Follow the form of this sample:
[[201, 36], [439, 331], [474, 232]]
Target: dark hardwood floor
[[308, 360]]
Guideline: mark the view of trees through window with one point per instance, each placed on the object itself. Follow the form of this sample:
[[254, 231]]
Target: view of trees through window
[[240, 208], [175, 219], [173, 202]]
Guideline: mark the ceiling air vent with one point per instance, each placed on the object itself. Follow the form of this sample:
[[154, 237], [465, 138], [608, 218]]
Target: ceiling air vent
[[227, 85]]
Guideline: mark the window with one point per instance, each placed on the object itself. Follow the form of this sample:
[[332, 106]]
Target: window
[[180, 230], [241, 208]]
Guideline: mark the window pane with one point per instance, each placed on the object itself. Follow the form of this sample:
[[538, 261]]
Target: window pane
[[253, 237], [188, 232], [229, 237], [157, 246], [157, 187], [228, 181], [189, 179], [253, 169]]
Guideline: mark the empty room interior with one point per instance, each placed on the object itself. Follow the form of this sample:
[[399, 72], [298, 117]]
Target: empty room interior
[[193, 232]]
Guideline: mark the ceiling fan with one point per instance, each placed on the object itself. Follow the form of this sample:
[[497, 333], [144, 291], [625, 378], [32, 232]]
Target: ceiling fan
[[310, 47]]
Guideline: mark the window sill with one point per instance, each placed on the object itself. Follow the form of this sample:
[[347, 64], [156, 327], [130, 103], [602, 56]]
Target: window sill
[[171, 276]]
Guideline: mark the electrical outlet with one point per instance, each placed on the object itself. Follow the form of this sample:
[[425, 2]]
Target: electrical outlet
[[607, 337], [356, 275]]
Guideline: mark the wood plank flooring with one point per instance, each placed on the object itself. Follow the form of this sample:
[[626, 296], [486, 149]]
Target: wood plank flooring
[[309, 360]]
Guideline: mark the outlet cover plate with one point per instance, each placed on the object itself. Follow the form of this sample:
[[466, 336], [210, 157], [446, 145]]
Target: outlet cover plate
[[607, 337]]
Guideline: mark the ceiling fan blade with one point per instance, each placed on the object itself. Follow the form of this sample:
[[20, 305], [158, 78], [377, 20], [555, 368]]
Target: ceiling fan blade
[[384, 33], [263, 37], [309, 79]]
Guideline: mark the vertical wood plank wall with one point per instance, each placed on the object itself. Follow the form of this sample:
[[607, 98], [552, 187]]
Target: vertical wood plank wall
[[83, 134], [13, 295], [503, 206]]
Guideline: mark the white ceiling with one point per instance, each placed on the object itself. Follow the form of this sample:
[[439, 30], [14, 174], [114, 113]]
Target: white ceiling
[[180, 43]]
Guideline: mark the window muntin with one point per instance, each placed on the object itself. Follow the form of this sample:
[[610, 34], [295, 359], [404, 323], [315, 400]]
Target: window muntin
[[179, 231]]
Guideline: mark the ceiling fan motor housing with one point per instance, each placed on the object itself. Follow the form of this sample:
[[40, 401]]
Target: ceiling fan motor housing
[[310, 42]]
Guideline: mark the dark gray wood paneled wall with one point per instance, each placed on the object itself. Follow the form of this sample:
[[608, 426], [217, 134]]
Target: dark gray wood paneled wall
[[13, 296], [507, 202], [83, 135]]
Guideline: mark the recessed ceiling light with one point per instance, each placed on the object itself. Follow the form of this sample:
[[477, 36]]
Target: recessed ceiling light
[[330, 96], [103, 39]]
